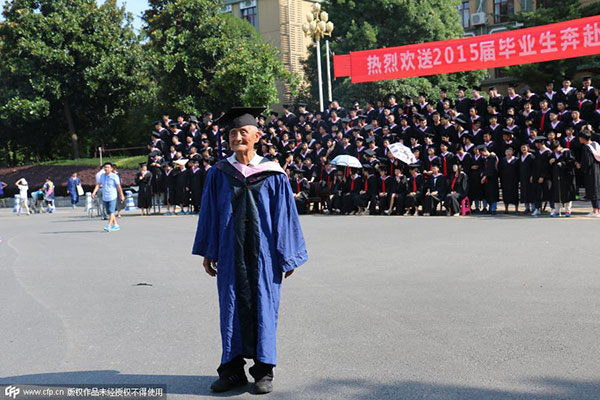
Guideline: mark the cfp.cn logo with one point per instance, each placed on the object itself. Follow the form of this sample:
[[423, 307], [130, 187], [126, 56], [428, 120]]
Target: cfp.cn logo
[[12, 391]]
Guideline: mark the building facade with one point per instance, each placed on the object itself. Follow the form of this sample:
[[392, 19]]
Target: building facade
[[280, 24], [480, 17]]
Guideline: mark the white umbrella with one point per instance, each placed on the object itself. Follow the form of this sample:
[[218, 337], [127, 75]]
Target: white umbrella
[[346, 161], [402, 153]]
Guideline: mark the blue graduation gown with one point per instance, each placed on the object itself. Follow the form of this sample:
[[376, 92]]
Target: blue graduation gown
[[250, 226]]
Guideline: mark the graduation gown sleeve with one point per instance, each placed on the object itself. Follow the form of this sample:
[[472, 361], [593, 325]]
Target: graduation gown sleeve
[[206, 243]]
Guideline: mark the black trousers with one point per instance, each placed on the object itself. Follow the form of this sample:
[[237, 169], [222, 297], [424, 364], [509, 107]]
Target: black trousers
[[236, 366]]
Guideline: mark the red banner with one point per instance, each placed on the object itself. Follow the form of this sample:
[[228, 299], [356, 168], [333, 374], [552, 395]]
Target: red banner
[[574, 38]]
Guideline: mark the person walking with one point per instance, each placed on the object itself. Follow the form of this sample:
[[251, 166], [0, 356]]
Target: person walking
[[48, 190], [73, 187], [250, 237], [3, 185], [23, 187], [111, 192]]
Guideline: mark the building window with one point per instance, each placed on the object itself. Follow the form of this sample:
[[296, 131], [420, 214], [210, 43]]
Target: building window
[[249, 12], [526, 5], [502, 9], [464, 14], [227, 9]]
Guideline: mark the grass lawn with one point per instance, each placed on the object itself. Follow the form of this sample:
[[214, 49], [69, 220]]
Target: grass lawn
[[122, 162]]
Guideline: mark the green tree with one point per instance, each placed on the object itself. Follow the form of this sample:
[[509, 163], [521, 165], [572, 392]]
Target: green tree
[[70, 69], [207, 60], [363, 25], [538, 74]]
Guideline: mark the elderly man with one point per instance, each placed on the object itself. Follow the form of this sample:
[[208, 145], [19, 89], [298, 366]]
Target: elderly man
[[250, 237]]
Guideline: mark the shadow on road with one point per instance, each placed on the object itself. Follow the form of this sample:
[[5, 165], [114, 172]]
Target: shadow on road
[[359, 389], [176, 384]]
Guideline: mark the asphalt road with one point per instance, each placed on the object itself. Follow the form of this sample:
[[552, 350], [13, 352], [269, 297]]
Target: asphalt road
[[386, 308]]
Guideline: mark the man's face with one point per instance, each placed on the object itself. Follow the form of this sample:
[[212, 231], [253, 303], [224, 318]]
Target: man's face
[[107, 169], [243, 139]]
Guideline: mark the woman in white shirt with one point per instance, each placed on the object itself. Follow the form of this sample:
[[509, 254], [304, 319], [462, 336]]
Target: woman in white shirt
[[23, 189]]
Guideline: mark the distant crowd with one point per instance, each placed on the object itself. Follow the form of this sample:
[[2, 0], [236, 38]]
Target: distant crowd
[[526, 149], [532, 151]]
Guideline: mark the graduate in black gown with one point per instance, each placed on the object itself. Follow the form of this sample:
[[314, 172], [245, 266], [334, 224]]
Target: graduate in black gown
[[435, 191], [338, 188], [475, 186], [182, 187], [489, 179], [300, 188], [527, 190], [542, 176], [351, 197], [197, 177], [563, 179], [509, 179], [458, 189], [385, 188], [416, 184], [144, 181], [590, 166], [156, 168], [398, 192], [368, 196]]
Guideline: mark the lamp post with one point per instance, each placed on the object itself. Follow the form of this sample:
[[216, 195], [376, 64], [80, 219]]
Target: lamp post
[[317, 27]]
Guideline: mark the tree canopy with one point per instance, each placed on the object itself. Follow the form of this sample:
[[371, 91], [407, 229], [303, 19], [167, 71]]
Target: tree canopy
[[363, 25], [70, 69], [205, 60]]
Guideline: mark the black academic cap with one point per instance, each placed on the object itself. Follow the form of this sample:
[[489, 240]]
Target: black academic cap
[[157, 122], [510, 146], [362, 116], [468, 135], [236, 117], [346, 120], [390, 95], [477, 87], [460, 121], [368, 127], [551, 83], [416, 165], [362, 139], [461, 87], [370, 139], [445, 143], [507, 131], [154, 153], [491, 88], [302, 104], [423, 94], [540, 138], [155, 134], [143, 164], [369, 153], [275, 113], [173, 125], [443, 90], [482, 147], [407, 97], [193, 118], [586, 78], [368, 167], [286, 106]]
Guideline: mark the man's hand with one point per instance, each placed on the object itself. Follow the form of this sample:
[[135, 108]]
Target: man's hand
[[210, 266], [122, 198], [541, 180], [289, 273]]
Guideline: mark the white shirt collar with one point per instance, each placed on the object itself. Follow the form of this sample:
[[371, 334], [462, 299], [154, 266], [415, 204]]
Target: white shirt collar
[[255, 160]]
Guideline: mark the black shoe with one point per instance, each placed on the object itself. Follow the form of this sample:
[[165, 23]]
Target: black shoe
[[264, 385], [226, 383]]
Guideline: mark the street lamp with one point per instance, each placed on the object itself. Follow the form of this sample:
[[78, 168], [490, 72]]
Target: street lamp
[[317, 27]]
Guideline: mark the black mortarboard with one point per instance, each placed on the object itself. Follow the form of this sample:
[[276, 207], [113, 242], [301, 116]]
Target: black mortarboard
[[346, 120], [420, 117], [389, 96], [370, 152], [302, 104], [443, 90], [275, 114], [370, 139], [476, 87], [173, 125], [510, 146], [237, 117], [407, 97], [286, 106], [491, 88], [482, 147], [540, 138], [157, 122], [368, 127], [463, 88], [445, 143], [155, 134], [586, 78], [423, 94], [193, 118], [507, 131], [367, 167], [460, 121], [551, 83], [143, 164], [154, 153], [416, 165]]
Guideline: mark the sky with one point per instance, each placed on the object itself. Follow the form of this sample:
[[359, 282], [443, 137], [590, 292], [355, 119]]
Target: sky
[[136, 7]]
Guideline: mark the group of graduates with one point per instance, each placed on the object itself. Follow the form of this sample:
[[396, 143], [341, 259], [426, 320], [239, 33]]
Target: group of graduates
[[535, 149]]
